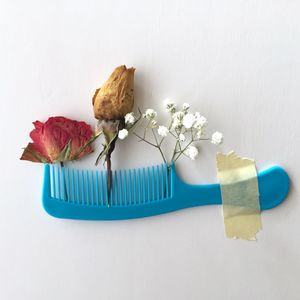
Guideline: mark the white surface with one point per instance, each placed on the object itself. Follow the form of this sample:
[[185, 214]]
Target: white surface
[[238, 62]]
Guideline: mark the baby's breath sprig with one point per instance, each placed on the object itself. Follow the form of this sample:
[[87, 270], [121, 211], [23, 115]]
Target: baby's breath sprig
[[185, 127]]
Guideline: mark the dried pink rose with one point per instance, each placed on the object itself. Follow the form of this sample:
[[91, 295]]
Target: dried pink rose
[[57, 140]]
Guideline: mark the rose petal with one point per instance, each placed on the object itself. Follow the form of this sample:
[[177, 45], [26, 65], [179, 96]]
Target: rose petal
[[32, 154]]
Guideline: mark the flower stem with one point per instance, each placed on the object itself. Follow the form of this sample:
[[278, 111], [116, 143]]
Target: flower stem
[[142, 139], [163, 157], [182, 151], [108, 168], [157, 145]]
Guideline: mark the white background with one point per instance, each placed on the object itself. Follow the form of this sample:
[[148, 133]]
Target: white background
[[237, 62]]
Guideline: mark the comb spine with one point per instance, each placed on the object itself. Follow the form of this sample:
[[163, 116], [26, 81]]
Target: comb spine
[[63, 184], [68, 186], [115, 188], [97, 187], [73, 186], [82, 187], [101, 189], [58, 183], [53, 192], [157, 182], [162, 181], [153, 183], [130, 189], [148, 184], [144, 185], [139, 185], [167, 180], [120, 185], [77, 187], [106, 199], [92, 187], [125, 187], [171, 176], [134, 186]]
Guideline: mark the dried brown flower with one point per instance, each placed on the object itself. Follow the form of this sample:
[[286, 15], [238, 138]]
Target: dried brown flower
[[115, 98], [111, 103]]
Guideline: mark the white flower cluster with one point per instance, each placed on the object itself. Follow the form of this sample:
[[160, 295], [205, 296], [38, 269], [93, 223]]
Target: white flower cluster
[[177, 119], [184, 119], [185, 126], [150, 114], [162, 131], [123, 134], [130, 119], [170, 105], [217, 138]]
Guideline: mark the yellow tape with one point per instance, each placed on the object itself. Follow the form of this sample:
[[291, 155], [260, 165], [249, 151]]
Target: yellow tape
[[240, 196]]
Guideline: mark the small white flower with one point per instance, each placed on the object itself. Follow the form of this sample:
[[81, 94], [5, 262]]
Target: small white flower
[[200, 121], [185, 106], [217, 138], [150, 113], [162, 131], [181, 137], [170, 105], [192, 152], [176, 123], [129, 118], [188, 121], [177, 119], [123, 134]]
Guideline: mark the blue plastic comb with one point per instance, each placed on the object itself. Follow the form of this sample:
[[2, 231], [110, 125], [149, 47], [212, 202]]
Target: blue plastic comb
[[77, 194]]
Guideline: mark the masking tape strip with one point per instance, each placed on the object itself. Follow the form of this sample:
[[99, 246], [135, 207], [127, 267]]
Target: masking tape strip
[[240, 196]]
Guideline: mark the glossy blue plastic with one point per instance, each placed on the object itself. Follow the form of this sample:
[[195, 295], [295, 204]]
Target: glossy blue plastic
[[78, 194]]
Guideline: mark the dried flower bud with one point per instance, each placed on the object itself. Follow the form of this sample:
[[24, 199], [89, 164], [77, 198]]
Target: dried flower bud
[[115, 98]]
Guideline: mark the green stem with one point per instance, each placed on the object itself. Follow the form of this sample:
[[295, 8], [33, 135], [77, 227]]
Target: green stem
[[182, 151], [156, 146], [175, 150], [142, 139]]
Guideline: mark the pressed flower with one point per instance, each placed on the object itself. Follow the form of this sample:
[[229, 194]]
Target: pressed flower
[[111, 103], [217, 138], [123, 134], [58, 140], [163, 131], [115, 98], [188, 121]]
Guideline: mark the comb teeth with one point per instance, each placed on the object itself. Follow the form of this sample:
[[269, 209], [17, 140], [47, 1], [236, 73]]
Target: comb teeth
[[129, 187]]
